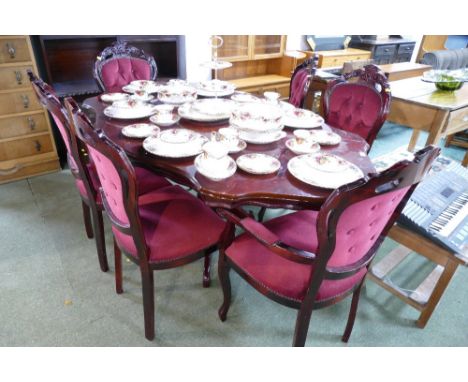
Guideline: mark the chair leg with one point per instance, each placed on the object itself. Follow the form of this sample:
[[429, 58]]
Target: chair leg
[[223, 274], [206, 269], [352, 313], [147, 283], [261, 214], [100, 239], [302, 327], [87, 220], [118, 268]]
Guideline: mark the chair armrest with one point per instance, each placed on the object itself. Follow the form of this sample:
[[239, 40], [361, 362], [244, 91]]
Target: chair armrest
[[269, 239]]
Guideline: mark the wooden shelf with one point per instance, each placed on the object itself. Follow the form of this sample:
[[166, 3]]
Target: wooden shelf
[[266, 80]]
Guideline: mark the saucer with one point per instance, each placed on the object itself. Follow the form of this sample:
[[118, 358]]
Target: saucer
[[140, 130], [304, 148], [162, 121], [215, 174], [325, 137], [258, 164]]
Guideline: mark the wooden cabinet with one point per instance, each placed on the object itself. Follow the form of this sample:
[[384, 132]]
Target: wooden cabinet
[[336, 58], [27, 146], [386, 51], [251, 47]]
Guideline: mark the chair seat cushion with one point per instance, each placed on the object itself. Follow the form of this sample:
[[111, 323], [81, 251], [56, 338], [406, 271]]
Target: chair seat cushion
[[175, 229], [281, 276], [147, 182]]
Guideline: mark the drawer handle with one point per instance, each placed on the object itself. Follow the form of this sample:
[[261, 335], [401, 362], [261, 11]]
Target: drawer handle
[[386, 50], [11, 170], [32, 123], [25, 100], [19, 77], [37, 145], [11, 50]]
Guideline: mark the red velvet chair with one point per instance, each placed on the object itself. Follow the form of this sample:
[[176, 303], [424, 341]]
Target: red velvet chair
[[358, 102], [308, 260], [83, 170], [164, 229], [120, 64], [301, 80]]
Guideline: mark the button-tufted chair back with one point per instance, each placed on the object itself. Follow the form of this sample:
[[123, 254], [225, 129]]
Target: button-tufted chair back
[[117, 178], [358, 102], [356, 217], [120, 64], [301, 80]]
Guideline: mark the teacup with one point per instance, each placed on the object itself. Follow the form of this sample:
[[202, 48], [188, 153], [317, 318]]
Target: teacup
[[272, 97], [214, 155], [302, 136], [230, 136], [164, 112]]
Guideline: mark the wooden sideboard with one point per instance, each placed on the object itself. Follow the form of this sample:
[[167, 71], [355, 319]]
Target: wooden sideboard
[[336, 58], [386, 51], [27, 146]]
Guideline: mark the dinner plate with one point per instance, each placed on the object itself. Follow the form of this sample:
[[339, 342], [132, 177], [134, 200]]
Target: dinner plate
[[140, 130], [327, 162], [124, 113], [302, 119], [300, 168], [216, 174], [175, 143], [302, 148], [323, 137], [262, 140], [113, 97], [259, 164]]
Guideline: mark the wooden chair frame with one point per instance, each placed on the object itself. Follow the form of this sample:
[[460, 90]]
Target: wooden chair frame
[[311, 65], [48, 98], [402, 174]]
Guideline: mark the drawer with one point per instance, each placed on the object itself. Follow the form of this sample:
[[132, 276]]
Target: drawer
[[14, 49], [24, 170], [282, 89], [19, 102], [385, 50], [329, 62], [403, 57], [458, 119], [25, 147], [17, 126], [406, 48], [14, 78]]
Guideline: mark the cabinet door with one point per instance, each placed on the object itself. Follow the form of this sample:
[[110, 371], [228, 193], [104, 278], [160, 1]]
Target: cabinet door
[[234, 48], [267, 46]]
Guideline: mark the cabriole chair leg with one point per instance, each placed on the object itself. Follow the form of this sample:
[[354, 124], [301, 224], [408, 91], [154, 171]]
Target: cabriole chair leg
[[223, 274]]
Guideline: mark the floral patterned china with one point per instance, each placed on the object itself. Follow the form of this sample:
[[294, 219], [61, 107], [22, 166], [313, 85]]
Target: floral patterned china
[[258, 164], [302, 119], [314, 169], [113, 97], [307, 147], [227, 168], [207, 110], [177, 94], [129, 109], [244, 97], [215, 88], [262, 139], [230, 137], [140, 130], [175, 143], [165, 120], [324, 137], [146, 86]]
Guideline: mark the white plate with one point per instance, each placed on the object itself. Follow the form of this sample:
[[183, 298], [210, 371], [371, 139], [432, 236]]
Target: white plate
[[216, 64], [241, 145], [244, 97], [175, 144], [259, 164], [262, 140], [216, 174], [140, 130], [302, 119], [218, 107], [300, 168], [213, 88], [122, 113], [186, 111], [162, 121], [323, 137], [327, 162], [113, 97], [303, 148], [177, 94], [153, 88]]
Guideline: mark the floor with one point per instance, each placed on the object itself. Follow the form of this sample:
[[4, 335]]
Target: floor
[[52, 292]]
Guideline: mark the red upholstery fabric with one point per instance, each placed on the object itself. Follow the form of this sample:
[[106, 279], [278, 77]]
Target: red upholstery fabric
[[297, 87], [174, 229], [284, 277], [354, 108], [357, 230], [118, 72]]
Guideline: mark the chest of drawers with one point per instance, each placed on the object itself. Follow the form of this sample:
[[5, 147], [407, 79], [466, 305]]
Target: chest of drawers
[[27, 146]]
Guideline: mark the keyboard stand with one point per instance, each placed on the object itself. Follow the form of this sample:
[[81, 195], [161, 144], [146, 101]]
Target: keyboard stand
[[428, 294]]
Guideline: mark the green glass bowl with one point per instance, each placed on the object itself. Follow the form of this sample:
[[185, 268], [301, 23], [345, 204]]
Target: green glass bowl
[[451, 85]]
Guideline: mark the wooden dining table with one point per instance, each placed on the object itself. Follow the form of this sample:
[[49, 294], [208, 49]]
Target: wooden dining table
[[278, 190]]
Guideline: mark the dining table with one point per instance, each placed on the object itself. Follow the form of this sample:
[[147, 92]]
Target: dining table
[[277, 190]]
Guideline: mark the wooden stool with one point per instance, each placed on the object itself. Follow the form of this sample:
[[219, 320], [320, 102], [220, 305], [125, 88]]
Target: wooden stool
[[427, 295]]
